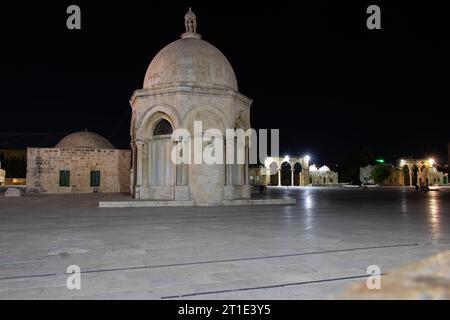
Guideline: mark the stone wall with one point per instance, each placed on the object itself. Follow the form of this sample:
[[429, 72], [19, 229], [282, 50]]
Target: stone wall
[[396, 178], [44, 165]]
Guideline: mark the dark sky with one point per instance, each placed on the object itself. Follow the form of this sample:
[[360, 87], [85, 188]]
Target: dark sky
[[313, 70]]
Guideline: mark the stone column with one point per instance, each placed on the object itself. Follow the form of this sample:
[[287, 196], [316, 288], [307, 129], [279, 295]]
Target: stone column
[[133, 170], [305, 176], [228, 167], [410, 178], [184, 174], [246, 172], [292, 177], [239, 165], [268, 175], [279, 177], [139, 146]]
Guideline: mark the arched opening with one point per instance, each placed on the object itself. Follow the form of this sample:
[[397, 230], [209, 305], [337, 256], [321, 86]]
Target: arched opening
[[414, 171], [273, 174], [286, 174], [297, 172], [163, 127], [161, 168], [406, 180]]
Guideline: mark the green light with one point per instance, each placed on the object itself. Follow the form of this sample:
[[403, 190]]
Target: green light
[[380, 160]]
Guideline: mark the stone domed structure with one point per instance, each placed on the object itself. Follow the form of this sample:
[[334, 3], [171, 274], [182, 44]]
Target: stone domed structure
[[84, 139], [189, 81], [82, 162]]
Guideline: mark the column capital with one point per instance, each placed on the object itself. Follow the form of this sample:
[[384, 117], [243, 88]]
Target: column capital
[[140, 142]]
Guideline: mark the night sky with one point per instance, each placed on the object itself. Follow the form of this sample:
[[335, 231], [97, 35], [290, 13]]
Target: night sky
[[313, 70]]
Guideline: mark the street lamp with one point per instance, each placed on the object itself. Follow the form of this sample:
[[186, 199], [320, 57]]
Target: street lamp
[[307, 158]]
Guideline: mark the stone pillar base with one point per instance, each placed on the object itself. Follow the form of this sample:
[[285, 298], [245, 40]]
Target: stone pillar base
[[237, 192], [182, 193]]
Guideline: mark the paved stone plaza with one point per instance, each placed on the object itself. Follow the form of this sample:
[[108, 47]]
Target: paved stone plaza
[[311, 250]]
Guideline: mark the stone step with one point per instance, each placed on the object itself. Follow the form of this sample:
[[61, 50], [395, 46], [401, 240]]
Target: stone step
[[13, 192], [256, 202], [190, 203], [145, 204]]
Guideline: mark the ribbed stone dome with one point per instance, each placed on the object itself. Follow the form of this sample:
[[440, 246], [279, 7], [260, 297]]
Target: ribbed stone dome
[[84, 139], [191, 61]]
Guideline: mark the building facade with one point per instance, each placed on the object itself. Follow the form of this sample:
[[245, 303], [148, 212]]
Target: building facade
[[420, 172], [409, 172], [15, 164], [289, 171], [322, 176], [188, 81], [2, 175], [82, 162]]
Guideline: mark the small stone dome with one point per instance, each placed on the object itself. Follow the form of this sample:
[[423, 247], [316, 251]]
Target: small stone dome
[[84, 139], [324, 169], [190, 61]]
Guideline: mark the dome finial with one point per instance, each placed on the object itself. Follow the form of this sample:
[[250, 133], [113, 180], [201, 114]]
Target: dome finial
[[190, 23]]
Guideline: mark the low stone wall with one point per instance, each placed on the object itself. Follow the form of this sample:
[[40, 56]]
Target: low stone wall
[[44, 165]]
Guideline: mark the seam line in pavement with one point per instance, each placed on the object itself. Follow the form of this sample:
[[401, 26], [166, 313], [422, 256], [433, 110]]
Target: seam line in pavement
[[248, 258], [281, 285], [29, 276], [220, 261]]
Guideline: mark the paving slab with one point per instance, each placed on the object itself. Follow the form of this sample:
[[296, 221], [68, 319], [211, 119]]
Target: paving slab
[[310, 250]]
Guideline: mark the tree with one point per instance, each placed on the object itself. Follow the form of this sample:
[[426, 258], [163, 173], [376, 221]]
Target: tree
[[380, 173], [2, 159], [351, 161]]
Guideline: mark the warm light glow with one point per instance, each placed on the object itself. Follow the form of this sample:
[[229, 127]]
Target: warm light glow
[[268, 162], [431, 161]]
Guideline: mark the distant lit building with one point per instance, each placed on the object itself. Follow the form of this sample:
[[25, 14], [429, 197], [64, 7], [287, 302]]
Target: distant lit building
[[420, 172], [14, 162], [289, 171], [365, 174], [256, 176], [448, 159], [322, 176], [2, 175], [408, 172]]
